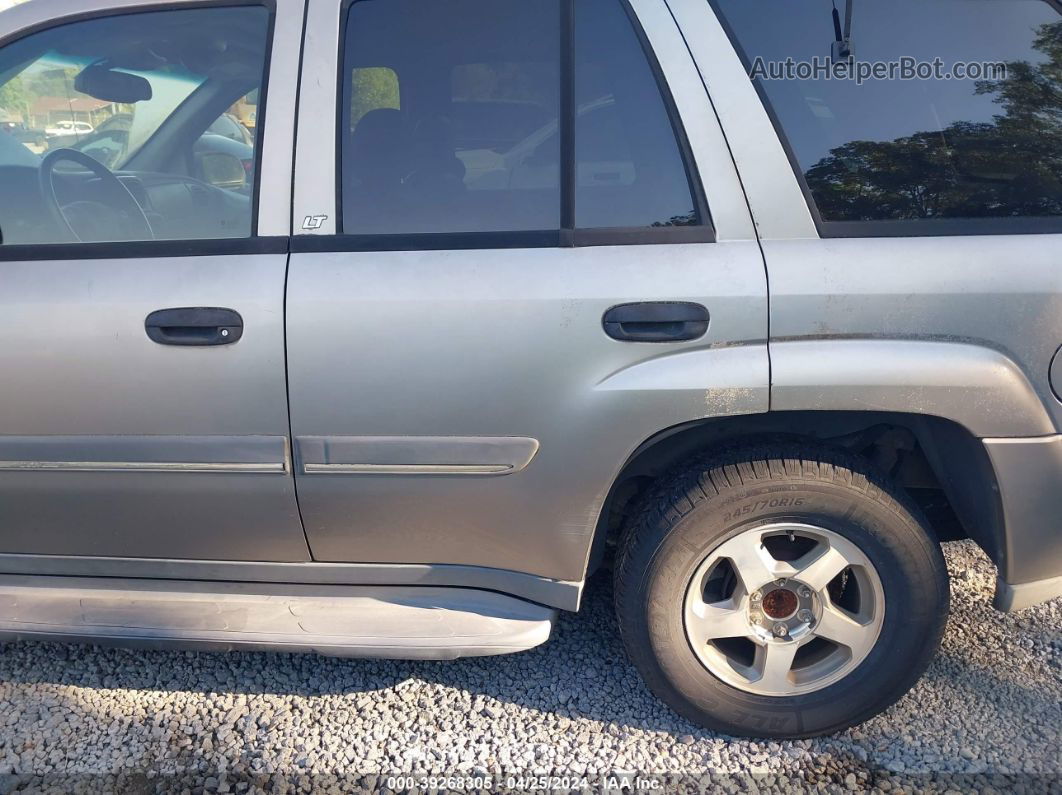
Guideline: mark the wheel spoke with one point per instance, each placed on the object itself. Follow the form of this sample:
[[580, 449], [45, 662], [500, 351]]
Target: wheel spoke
[[752, 562], [774, 661], [827, 564], [734, 586], [705, 622], [837, 626]]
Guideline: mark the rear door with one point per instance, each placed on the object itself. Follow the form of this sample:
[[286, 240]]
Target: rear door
[[143, 407], [537, 217]]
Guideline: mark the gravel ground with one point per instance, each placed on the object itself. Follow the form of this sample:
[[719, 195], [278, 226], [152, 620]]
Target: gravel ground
[[987, 715]]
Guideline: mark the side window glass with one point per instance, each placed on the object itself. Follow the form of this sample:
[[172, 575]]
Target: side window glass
[[506, 128], [960, 120], [456, 128], [453, 128], [132, 127], [629, 169], [224, 155], [372, 88]]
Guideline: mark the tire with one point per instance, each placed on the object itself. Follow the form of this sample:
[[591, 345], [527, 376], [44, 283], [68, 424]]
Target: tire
[[785, 497]]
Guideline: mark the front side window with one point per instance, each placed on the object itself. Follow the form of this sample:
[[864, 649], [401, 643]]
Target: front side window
[[461, 127], [967, 125], [132, 127]]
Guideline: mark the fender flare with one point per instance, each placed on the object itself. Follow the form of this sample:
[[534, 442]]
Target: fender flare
[[976, 387]]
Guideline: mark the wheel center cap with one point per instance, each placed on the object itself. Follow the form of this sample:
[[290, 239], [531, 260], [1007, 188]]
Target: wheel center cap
[[780, 603]]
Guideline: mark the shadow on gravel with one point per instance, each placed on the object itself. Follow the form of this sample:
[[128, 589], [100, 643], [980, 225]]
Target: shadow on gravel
[[981, 687], [581, 672]]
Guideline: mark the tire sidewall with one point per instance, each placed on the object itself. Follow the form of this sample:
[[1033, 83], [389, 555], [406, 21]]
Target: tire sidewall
[[890, 537]]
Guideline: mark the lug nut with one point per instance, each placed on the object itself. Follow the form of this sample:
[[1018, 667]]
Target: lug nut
[[756, 596], [781, 630], [805, 592], [805, 615], [780, 583]]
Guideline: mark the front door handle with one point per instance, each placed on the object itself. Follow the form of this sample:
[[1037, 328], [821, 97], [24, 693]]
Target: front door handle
[[656, 321], [194, 325]]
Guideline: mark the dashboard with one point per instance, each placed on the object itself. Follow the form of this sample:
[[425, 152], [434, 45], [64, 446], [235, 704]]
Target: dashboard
[[177, 207]]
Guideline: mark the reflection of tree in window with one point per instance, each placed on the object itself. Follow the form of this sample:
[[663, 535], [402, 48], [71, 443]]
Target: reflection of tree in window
[[373, 87], [1009, 167], [687, 219], [14, 101]]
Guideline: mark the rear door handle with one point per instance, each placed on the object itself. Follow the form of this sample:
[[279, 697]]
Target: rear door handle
[[656, 321], [194, 325]]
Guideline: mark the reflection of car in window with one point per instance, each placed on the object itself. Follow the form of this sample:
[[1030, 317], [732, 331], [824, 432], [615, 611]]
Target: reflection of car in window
[[69, 128], [229, 127]]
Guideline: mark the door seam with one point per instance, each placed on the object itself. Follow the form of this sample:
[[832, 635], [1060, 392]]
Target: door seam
[[292, 452], [744, 195]]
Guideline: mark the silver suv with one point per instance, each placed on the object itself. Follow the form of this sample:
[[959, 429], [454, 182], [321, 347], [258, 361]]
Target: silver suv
[[737, 297]]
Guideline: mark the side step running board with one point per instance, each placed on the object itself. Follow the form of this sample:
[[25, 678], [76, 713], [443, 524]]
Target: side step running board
[[404, 622]]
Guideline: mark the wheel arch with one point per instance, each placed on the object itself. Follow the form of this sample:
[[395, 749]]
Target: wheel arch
[[933, 457]]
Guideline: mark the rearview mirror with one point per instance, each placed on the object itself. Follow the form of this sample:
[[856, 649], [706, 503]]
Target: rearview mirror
[[110, 86]]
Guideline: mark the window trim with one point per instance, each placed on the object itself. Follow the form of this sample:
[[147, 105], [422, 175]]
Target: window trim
[[567, 235], [464, 241], [161, 248], [945, 227], [569, 115], [426, 241], [143, 249], [885, 228]]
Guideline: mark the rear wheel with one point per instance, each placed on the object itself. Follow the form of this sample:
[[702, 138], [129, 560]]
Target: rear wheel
[[780, 592]]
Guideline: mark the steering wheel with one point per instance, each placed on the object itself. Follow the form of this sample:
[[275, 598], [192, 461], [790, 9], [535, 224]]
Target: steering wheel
[[122, 220]]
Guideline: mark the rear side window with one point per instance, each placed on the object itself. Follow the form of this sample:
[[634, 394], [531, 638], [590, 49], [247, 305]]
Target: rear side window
[[946, 120], [464, 138], [481, 127], [630, 172]]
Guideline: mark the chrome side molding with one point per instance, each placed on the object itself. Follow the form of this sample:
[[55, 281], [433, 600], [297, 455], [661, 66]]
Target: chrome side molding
[[414, 455], [407, 469], [171, 454], [139, 466]]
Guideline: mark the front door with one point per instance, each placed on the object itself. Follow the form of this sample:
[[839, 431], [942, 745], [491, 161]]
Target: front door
[[143, 407], [542, 258]]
